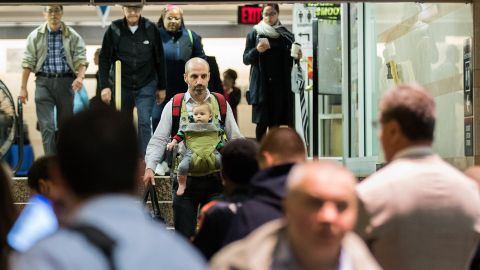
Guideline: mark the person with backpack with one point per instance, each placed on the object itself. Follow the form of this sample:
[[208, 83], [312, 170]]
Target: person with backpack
[[135, 41], [179, 45], [107, 228], [203, 186], [203, 140]]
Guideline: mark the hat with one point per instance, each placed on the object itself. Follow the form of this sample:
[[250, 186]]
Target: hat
[[133, 5]]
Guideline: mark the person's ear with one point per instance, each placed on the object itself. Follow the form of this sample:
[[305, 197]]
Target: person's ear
[[43, 187], [269, 159], [393, 130]]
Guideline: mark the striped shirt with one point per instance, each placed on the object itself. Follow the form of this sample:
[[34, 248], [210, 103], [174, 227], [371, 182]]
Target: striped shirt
[[55, 61]]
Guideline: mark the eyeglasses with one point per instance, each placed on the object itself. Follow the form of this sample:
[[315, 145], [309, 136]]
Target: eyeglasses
[[53, 10], [133, 9], [270, 14]]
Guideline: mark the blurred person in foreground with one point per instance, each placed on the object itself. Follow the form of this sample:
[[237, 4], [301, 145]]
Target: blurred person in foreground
[[417, 212], [320, 212], [97, 153], [7, 214], [279, 151], [474, 173], [239, 164], [43, 179]]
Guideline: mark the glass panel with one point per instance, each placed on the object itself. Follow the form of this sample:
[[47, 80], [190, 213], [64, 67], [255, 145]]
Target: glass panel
[[330, 87], [421, 43]]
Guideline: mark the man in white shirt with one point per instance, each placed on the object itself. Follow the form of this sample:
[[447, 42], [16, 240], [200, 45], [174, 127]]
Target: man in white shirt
[[200, 189], [418, 212]]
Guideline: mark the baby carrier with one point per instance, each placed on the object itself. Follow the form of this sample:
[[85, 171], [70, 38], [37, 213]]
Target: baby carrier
[[201, 138]]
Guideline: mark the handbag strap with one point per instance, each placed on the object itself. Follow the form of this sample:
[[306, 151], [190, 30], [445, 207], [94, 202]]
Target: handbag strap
[[103, 242], [151, 192]]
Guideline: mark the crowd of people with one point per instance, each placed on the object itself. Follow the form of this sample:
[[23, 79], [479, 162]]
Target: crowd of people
[[237, 203]]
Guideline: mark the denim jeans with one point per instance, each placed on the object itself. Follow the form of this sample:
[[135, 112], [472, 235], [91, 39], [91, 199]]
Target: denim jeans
[[143, 99], [157, 114]]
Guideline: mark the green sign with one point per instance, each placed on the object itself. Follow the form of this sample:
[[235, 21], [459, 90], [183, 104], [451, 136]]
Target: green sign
[[323, 11]]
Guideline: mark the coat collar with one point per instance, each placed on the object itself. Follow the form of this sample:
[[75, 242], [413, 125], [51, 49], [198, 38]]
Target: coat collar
[[44, 29]]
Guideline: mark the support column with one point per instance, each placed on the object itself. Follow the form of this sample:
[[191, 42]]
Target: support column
[[476, 79]]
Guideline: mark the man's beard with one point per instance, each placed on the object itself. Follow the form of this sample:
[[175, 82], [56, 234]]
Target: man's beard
[[199, 89]]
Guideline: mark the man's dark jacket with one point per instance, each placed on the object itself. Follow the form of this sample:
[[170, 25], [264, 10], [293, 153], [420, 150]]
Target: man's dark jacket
[[141, 55], [268, 188]]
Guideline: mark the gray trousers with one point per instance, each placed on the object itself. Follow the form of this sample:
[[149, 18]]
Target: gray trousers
[[50, 93]]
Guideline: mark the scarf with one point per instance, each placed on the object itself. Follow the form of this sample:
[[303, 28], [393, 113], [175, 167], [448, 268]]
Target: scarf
[[275, 31]]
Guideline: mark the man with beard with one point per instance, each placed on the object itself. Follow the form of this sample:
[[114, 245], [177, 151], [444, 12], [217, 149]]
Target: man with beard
[[202, 187], [320, 212]]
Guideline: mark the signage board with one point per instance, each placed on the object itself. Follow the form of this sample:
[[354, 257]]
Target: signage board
[[249, 14]]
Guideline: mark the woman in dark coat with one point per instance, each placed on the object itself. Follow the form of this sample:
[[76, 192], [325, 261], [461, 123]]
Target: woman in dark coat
[[179, 45], [268, 52]]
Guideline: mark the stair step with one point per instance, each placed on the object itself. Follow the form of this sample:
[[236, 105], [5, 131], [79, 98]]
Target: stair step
[[163, 186]]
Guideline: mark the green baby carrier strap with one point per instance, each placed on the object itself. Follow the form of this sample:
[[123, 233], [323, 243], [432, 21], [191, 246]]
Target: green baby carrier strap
[[201, 143]]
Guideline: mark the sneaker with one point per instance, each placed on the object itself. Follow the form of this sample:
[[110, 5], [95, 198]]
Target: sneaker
[[159, 170], [166, 169]]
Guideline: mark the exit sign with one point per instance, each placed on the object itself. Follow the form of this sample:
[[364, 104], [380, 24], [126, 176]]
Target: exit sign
[[249, 14]]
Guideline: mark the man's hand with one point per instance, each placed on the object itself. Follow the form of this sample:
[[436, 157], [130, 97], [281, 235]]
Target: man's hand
[[171, 145], [160, 96], [149, 177], [23, 95], [77, 83], [106, 95]]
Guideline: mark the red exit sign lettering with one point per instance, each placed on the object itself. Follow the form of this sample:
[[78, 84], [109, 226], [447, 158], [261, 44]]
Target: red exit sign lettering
[[249, 14]]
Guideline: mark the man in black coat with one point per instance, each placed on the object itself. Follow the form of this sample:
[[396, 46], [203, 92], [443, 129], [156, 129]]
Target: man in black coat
[[279, 150], [136, 43]]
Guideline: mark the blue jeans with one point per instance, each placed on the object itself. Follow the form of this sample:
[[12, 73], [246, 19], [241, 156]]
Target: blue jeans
[[157, 114], [143, 99]]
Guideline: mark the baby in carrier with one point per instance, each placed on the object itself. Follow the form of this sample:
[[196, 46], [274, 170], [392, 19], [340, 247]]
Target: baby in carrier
[[203, 140]]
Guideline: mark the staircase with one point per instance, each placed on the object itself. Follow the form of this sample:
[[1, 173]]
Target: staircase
[[21, 193]]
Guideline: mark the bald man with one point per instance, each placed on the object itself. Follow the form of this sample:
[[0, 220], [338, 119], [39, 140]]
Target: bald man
[[320, 212], [200, 188]]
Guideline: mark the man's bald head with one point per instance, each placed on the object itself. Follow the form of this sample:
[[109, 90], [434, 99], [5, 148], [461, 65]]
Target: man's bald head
[[196, 61], [327, 172], [320, 208]]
